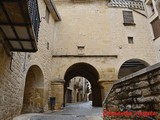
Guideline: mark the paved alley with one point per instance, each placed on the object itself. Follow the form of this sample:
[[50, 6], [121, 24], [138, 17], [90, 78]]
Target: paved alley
[[78, 111]]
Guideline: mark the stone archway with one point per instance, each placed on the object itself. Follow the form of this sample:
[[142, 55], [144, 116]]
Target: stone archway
[[34, 91], [131, 66], [90, 73]]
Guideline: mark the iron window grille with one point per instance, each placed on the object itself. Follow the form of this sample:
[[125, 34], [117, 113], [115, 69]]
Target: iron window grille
[[128, 18]]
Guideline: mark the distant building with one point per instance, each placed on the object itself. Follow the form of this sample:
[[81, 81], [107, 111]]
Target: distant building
[[78, 90]]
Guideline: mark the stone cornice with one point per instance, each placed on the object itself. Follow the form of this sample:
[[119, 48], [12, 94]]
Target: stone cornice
[[59, 56]]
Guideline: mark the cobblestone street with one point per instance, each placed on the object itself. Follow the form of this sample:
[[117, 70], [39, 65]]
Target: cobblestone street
[[79, 111]]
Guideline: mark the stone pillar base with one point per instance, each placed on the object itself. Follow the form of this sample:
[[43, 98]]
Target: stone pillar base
[[105, 87], [57, 91]]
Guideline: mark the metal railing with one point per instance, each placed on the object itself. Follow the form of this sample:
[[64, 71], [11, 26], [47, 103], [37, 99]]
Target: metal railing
[[127, 4], [34, 15]]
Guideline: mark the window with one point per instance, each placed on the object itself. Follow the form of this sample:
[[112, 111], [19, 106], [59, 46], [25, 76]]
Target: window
[[156, 27], [47, 14], [81, 50], [128, 18], [130, 40]]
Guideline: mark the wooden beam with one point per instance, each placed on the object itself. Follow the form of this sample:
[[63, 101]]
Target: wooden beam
[[14, 24], [52, 8]]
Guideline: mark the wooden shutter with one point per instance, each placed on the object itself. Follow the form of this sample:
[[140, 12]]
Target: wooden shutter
[[128, 18], [156, 27]]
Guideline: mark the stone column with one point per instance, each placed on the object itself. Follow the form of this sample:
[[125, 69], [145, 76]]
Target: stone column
[[57, 91], [105, 87]]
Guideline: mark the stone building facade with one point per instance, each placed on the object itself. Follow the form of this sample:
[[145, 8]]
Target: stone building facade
[[88, 22], [153, 10], [25, 77], [80, 38]]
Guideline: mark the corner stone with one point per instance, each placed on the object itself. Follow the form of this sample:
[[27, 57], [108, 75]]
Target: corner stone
[[145, 99]]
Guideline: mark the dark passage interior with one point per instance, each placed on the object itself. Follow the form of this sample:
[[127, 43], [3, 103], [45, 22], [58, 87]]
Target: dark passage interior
[[90, 73]]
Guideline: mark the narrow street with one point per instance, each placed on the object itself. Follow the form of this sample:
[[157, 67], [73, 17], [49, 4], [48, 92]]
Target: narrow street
[[78, 111]]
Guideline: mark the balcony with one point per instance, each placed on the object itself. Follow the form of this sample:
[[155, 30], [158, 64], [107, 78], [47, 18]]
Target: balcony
[[19, 25]]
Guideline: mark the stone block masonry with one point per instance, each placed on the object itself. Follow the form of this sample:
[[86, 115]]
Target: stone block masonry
[[16, 73], [11, 85], [139, 91]]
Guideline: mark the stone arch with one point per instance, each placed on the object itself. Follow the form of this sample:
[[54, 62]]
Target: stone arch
[[130, 66], [33, 91], [91, 74]]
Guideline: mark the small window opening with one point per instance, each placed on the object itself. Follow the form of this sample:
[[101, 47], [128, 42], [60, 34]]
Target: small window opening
[[130, 40]]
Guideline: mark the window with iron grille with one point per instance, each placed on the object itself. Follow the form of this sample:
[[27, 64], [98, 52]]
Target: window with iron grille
[[128, 18], [156, 27]]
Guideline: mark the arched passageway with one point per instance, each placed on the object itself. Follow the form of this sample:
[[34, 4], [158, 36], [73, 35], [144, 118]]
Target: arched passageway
[[131, 66], [34, 91], [90, 73]]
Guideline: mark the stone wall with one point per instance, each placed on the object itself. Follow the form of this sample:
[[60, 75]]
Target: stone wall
[[13, 72], [11, 84], [43, 57], [84, 24], [139, 91]]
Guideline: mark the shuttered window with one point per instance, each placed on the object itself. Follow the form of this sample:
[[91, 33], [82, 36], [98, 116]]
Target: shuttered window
[[156, 27], [128, 18]]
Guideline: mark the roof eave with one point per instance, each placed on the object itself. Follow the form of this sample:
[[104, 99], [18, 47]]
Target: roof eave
[[52, 8]]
